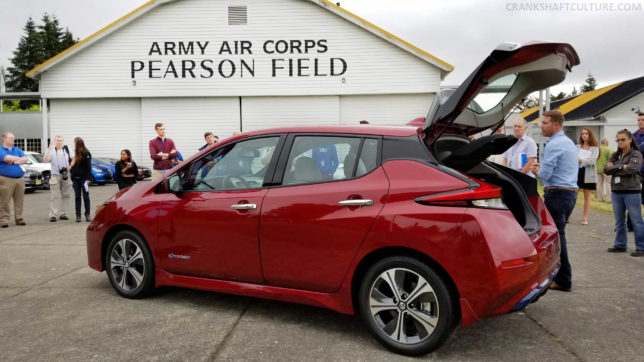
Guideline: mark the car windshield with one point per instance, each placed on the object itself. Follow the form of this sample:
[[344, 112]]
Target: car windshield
[[102, 161], [34, 157]]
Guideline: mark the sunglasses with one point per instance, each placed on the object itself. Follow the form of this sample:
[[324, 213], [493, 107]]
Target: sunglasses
[[621, 140]]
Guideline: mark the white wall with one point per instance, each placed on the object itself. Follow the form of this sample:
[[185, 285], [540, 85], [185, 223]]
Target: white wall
[[106, 125], [622, 117], [270, 112], [389, 109], [374, 66]]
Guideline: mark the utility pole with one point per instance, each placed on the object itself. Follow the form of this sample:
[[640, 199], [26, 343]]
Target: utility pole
[[2, 89]]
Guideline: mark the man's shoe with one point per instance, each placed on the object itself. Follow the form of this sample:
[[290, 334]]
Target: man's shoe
[[4, 226], [555, 286], [52, 219], [20, 222], [87, 218], [64, 217], [78, 219], [637, 253], [613, 249]]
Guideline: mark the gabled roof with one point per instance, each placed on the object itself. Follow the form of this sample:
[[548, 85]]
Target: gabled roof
[[593, 104], [148, 6]]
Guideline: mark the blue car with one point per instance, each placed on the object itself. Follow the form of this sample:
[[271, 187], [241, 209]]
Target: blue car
[[107, 162], [101, 174]]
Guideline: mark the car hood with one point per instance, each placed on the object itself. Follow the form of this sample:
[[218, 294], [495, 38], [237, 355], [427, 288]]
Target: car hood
[[501, 81]]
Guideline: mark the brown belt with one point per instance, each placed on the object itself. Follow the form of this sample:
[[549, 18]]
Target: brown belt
[[560, 188]]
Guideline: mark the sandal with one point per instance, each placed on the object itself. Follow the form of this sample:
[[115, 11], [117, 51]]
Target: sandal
[[584, 222]]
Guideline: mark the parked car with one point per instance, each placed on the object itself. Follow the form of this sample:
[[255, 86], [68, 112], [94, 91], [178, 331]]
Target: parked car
[[101, 174], [35, 162], [109, 163], [33, 180], [410, 228], [144, 172]]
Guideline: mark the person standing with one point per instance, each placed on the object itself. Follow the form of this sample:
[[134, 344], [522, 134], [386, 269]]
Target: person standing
[[523, 154], [60, 186], [588, 149], [126, 170], [81, 169], [603, 180], [162, 151], [211, 139], [12, 185], [624, 165], [559, 176]]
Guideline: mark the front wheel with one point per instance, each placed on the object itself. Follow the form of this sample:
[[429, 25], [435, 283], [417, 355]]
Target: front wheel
[[407, 306], [129, 265]]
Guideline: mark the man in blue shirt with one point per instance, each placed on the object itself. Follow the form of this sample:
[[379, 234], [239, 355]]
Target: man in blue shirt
[[12, 185], [559, 175]]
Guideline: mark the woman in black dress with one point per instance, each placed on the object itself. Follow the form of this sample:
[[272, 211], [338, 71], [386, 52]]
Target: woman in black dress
[[80, 170], [126, 170]]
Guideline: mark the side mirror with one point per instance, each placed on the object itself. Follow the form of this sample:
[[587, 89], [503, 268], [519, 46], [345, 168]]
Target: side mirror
[[174, 184]]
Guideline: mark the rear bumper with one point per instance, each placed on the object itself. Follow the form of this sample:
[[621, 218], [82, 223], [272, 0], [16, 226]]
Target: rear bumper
[[536, 292]]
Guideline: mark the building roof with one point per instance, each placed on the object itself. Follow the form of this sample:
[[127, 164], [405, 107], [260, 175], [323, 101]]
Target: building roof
[[445, 67], [591, 105]]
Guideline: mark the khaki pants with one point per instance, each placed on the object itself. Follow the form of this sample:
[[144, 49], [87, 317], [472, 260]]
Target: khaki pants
[[60, 193], [156, 174], [603, 187], [11, 188]]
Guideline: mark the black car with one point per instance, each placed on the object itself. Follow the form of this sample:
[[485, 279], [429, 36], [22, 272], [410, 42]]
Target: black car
[[33, 180]]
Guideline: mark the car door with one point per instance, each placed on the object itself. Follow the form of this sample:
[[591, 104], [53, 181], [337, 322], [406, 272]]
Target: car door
[[312, 225], [210, 228]]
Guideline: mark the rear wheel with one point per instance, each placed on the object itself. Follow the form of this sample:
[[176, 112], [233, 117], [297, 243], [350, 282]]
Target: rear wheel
[[129, 265], [407, 306]]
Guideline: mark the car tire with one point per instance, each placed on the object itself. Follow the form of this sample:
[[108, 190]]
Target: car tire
[[92, 180], [129, 265], [416, 319], [45, 181]]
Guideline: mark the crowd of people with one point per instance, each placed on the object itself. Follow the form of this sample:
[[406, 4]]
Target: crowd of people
[[71, 172]]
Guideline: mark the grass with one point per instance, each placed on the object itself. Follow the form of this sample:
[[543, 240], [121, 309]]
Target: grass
[[595, 205]]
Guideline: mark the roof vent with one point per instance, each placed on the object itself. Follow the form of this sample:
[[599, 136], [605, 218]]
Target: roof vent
[[237, 15]]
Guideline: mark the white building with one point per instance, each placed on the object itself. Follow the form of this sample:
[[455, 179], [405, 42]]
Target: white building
[[222, 66]]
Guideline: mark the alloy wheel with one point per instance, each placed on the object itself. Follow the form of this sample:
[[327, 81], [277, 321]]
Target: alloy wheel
[[403, 305], [127, 265]]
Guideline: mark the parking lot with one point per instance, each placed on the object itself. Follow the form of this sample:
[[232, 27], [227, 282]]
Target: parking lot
[[53, 307]]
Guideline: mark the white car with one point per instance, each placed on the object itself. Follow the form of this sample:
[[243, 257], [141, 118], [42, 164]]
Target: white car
[[36, 163]]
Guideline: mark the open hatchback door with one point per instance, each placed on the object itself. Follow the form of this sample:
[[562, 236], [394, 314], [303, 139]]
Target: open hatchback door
[[482, 102]]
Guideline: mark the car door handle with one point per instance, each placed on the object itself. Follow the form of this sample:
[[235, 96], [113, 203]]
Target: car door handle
[[358, 202], [243, 206]]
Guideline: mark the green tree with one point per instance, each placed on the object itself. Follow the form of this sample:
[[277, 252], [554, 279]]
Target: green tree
[[557, 97], [590, 84], [574, 92], [26, 57], [39, 43]]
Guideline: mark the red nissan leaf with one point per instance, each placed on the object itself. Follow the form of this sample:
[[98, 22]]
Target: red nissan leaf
[[409, 227]]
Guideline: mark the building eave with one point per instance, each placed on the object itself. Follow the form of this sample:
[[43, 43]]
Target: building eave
[[445, 67]]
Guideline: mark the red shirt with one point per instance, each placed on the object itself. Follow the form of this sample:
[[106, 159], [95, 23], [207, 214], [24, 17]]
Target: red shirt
[[157, 145]]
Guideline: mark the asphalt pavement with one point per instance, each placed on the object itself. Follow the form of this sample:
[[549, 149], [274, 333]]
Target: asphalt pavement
[[54, 307]]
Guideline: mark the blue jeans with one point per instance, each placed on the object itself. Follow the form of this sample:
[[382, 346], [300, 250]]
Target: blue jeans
[[632, 203], [79, 188], [560, 204]]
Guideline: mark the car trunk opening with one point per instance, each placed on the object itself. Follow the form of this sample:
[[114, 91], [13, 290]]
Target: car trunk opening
[[469, 158]]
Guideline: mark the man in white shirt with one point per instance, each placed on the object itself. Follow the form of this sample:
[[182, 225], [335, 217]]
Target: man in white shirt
[[523, 154], [60, 184]]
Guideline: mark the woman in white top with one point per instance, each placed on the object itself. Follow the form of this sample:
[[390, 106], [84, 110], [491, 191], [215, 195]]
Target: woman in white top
[[587, 176]]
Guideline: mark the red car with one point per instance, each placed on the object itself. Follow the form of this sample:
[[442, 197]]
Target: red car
[[410, 227]]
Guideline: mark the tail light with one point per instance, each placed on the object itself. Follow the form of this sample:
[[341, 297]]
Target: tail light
[[480, 194]]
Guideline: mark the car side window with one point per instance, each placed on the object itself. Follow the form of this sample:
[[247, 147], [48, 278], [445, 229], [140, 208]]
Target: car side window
[[315, 159], [368, 160], [239, 166]]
